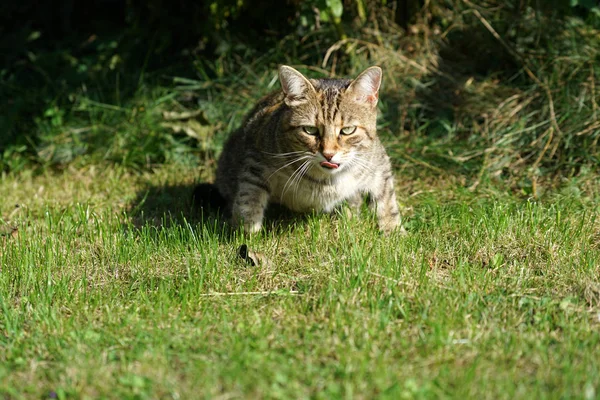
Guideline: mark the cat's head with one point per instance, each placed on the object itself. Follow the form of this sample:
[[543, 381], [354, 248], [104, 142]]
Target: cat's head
[[333, 119]]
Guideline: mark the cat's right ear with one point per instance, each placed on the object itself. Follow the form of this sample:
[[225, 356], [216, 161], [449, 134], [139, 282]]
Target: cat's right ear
[[295, 86]]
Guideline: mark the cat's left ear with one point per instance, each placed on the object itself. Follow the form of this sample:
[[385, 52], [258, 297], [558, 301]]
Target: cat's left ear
[[365, 88]]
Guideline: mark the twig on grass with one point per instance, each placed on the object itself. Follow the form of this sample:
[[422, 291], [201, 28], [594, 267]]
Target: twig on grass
[[264, 293]]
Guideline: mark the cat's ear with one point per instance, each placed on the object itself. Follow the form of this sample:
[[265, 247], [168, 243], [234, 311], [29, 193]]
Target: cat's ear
[[365, 88], [295, 86]]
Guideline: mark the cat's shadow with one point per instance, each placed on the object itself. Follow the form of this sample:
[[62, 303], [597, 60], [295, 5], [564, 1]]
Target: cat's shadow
[[198, 205]]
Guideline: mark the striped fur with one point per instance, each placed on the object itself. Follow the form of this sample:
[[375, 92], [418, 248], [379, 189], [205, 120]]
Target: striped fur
[[280, 154]]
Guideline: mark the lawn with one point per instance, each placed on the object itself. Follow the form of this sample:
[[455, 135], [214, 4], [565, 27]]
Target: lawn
[[112, 285]]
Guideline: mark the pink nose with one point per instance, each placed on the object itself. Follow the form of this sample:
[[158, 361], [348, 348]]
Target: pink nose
[[328, 156]]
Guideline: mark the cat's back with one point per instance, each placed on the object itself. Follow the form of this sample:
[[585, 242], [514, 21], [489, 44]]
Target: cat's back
[[263, 111], [242, 142]]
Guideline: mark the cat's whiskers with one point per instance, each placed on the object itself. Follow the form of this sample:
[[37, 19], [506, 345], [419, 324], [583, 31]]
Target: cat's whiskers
[[305, 168], [286, 155], [304, 157], [291, 178], [290, 181], [362, 164]]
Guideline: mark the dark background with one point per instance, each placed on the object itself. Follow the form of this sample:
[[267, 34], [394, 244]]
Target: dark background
[[56, 54]]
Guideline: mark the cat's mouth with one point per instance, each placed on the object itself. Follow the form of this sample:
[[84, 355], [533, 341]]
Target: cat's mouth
[[330, 165]]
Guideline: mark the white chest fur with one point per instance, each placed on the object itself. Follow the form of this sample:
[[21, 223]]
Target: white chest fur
[[318, 194]]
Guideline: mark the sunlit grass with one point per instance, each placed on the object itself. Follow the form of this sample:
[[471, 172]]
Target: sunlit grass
[[490, 295]]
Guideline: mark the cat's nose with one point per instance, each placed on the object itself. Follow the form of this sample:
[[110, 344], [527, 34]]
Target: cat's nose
[[328, 156]]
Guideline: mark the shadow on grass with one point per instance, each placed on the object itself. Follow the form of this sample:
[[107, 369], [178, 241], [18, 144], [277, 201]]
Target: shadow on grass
[[201, 206]]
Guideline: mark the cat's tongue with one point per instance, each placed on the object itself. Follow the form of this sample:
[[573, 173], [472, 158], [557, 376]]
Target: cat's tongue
[[328, 164]]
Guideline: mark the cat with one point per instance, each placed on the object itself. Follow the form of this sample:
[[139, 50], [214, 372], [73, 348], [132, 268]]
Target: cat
[[310, 146]]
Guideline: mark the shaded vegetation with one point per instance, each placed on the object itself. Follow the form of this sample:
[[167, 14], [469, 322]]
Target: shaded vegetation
[[496, 88]]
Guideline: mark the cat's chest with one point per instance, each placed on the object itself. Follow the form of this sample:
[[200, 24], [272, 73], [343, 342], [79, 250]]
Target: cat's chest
[[307, 193]]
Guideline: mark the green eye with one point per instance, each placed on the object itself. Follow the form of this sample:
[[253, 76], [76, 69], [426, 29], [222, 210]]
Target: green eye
[[348, 130], [311, 130]]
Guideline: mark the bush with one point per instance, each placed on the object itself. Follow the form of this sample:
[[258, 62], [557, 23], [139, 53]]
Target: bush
[[500, 88]]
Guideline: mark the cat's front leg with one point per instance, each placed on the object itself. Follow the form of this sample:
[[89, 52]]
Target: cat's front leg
[[383, 200], [249, 206], [354, 203]]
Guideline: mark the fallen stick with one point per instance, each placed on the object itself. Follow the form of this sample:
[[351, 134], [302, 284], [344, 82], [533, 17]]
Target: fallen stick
[[278, 293]]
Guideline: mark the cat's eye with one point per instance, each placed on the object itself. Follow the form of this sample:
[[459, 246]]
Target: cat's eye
[[311, 130], [348, 130]]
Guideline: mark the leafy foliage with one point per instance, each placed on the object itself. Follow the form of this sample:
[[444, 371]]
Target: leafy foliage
[[493, 89]]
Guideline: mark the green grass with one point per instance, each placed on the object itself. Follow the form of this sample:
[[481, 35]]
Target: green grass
[[490, 295]]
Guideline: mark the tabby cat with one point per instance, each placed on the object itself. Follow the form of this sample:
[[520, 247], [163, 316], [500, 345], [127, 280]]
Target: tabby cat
[[310, 146]]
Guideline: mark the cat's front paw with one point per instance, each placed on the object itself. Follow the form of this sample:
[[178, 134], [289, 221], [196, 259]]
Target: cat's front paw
[[392, 226], [252, 227], [248, 225]]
